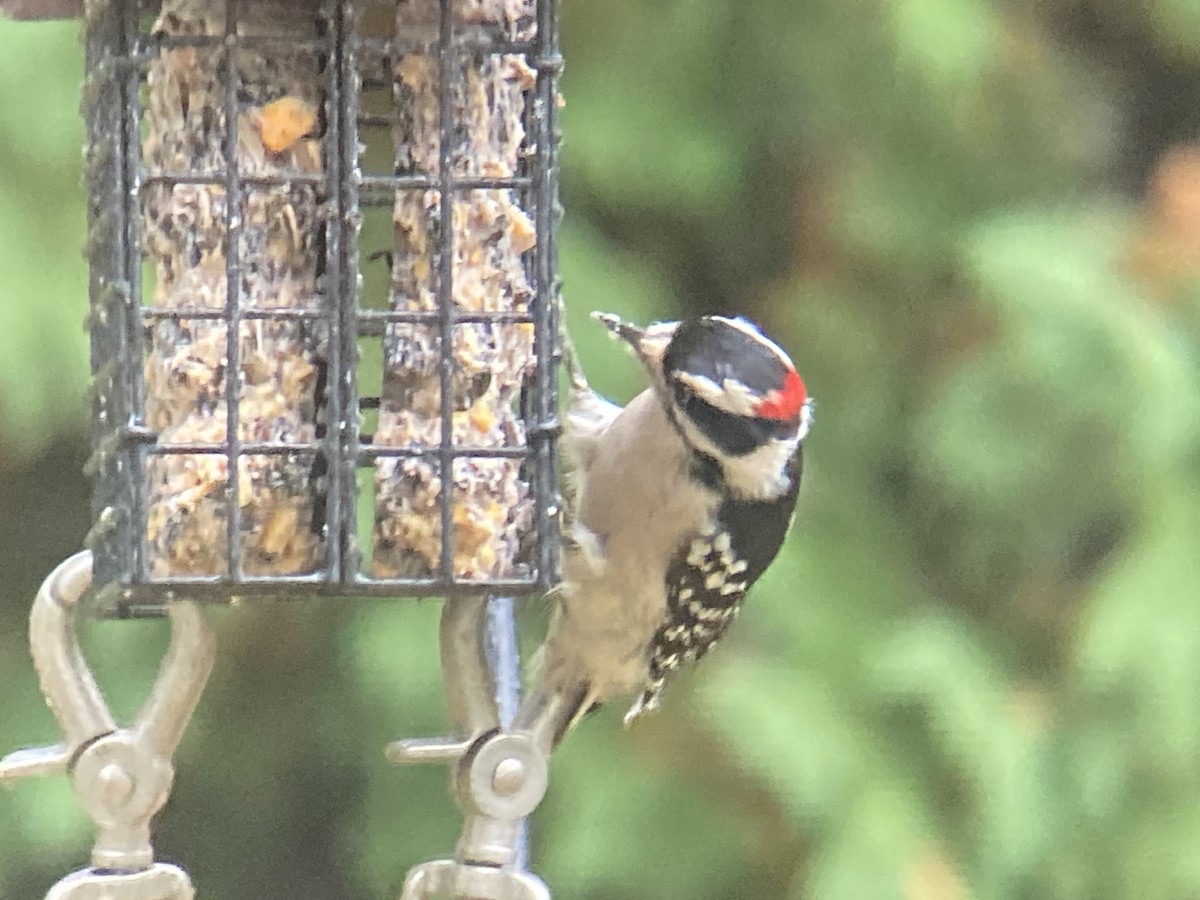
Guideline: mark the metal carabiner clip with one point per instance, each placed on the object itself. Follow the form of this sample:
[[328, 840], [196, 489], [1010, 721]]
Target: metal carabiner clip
[[122, 776], [499, 775]]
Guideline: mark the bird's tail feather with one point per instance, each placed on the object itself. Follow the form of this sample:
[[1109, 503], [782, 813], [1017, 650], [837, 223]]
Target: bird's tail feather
[[549, 714]]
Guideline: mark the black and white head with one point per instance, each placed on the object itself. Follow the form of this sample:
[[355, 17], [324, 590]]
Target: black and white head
[[732, 392]]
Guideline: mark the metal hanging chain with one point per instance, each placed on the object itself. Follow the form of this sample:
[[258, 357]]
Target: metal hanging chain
[[122, 776]]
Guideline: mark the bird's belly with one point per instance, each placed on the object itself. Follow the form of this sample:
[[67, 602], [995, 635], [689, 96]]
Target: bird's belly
[[606, 631], [614, 600], [635, 511]]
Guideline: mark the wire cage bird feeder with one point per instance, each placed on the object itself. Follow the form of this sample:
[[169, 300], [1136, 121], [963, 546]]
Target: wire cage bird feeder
[[323, 291], [325, 338]]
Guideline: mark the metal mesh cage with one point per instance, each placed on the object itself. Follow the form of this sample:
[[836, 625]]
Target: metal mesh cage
[[323, 297]]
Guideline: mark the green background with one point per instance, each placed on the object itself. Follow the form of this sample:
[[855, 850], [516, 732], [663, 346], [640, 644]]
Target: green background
[[974, 671]]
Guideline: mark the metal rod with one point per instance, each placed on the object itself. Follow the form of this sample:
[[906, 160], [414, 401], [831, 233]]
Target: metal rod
[[370, 320], [342, 410], [161, 589], [151, 177], [548, 63], [233, 295], [504, 658], [274, 448], [392, 183], [470, 684], [131, 265], [446, 65]]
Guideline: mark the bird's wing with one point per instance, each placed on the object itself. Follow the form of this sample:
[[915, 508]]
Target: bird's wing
[[707, 582]]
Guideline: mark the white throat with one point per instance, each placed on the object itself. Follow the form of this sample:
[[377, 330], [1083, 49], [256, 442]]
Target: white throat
[[760, 474]]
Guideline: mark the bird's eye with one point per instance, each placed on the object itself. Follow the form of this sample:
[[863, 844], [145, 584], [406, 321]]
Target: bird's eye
[[786, 429]]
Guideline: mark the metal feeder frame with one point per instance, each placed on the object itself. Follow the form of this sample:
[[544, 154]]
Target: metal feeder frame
[[117, 52]]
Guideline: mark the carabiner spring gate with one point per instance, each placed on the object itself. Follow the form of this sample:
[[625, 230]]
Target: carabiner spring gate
[[122, 776], [499, 774]]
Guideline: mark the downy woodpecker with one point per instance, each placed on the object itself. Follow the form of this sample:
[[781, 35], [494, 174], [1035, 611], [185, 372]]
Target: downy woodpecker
[[677, 504]]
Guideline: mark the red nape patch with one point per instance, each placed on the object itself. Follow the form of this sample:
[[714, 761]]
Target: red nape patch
[[786, 403]]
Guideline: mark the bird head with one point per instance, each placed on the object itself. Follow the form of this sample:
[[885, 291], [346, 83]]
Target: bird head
[[732, 392]]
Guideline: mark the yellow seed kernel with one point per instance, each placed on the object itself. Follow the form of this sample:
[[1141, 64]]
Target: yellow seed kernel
[[282, 123], [481, 417]]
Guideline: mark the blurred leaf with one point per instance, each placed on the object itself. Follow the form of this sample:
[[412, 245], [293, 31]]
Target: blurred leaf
[[1080, 368], [41, 76], [620, 811], [874, 852], [1178, 25], [656, 146], [43, 813], [982, 734], [1054, 276], [951, 41], [1140, 642], [793, 729], [43, 369], [601, 277]]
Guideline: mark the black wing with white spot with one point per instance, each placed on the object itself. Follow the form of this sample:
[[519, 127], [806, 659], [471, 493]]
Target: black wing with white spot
[[708, 580]]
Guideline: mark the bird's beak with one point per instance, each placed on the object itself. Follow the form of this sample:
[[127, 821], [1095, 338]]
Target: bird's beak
[[648, 343], [631, 334]]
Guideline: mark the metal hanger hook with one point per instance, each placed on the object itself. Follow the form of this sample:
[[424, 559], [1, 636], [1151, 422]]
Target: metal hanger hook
[[122, 776]]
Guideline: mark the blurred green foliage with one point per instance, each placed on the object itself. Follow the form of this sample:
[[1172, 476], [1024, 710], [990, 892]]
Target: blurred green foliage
[[975, 670]]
